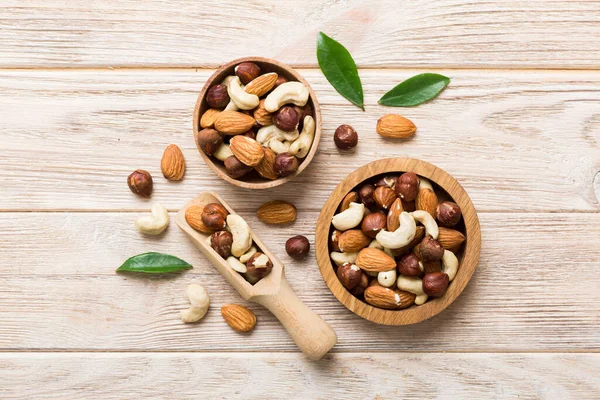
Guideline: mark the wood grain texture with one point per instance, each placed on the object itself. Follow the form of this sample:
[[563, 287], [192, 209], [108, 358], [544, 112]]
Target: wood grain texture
[[240, 376], [456, 33], [535, 289], [516, 141], [469, 257], [313, 336]]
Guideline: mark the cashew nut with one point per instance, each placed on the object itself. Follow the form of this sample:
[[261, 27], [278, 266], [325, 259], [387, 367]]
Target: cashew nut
[[236, 265], [387, 278], [242, 240], [424, 184], [431, 227], [414, 286], [375, 244], [421, 299], [223, 152], [267, 133], [301, 146], [231, 106], [246, 256], [350, 217], [153, 224], [401, 236], [279, 147], [289, 92], [341, 258], [238, 95], [199, 301], [449, 264]]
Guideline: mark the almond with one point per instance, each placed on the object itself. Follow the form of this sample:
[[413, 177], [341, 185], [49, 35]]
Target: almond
[[261, 115], [277, 212], [193, 216], [427, 201], [238, 317], [395, 126], [262, 84], [351, 197], [173, 163], [450, 239], [353, 240], [418, 237], [208, 118], [393, 216], [247, 150], [374, 260], [382, 297], [266, 167], [233, 122]]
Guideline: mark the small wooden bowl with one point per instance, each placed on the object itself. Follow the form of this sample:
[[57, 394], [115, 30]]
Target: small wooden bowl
[[468, 259], [253, 180]]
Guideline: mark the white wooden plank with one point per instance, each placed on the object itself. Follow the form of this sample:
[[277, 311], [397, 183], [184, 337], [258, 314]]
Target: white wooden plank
[[290, 376], [457, 33], [535, 289], [517, 141]]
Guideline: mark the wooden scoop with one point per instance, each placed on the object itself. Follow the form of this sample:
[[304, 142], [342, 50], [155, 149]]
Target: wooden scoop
[[311, 333]]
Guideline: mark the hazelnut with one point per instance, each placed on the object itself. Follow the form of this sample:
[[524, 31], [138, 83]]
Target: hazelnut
[[349, 275], [335, 240], [359, 290], [429, 250], [372, 224], [217, 96], [407, 186], [389, 181], [209, 140], [221, 242], [214, 216], [285, 164], [384, 197], [259, 265], [140, 182], [280, 79], [247, 72], [408, 265], [235, 168], [365, 193], [302, 113], [297, 247], [448, 213], [345, 137], [435, 284], [286, 119]]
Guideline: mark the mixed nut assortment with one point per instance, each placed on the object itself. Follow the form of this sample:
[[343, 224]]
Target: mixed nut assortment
[[260, 122], [393, 243], [231, 238]]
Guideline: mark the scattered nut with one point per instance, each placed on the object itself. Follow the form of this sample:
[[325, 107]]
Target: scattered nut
[[209, 141], [395, 126], [286, 119], [297, 247], [172, 164], [407, 186], [221, 242], [247, 72], [259, 265], [239, 318], [217, 96], [285, 164], [349, 275], [199, 303], [153, 224], [214, 216], [277, 212], [140, 182], [448, 213], [345, 137]]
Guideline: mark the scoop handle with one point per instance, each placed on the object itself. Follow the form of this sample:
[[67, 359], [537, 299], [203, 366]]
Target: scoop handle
[[311, 333]]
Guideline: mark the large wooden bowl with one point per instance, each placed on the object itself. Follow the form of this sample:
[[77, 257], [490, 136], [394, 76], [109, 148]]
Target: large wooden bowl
[[469, 257], [253, 180]]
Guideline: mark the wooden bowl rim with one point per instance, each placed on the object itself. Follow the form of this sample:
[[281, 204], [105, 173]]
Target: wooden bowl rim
[[469, 259], [267, 183]]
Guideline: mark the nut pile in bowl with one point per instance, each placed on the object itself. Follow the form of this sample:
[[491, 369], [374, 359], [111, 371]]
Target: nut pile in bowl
[[394, 243], [259, 124], [231, 238]]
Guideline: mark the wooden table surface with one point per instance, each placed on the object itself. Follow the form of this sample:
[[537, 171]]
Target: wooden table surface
[[90, 91]]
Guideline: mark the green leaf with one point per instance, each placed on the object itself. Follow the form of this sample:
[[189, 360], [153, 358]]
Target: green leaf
[[154, 263], [416, 90], [340, 69]]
